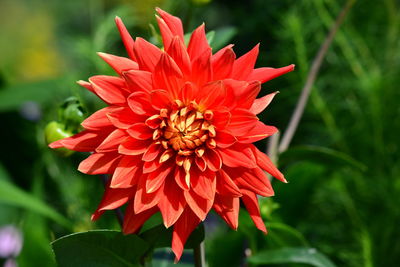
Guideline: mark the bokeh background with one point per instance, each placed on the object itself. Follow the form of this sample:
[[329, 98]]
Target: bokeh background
[[343, 166]]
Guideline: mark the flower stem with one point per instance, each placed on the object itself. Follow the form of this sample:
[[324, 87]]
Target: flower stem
[[199, 255], [312, 75]]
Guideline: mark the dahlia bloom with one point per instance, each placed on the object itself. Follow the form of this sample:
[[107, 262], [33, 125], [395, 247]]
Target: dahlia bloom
[[178, 131]]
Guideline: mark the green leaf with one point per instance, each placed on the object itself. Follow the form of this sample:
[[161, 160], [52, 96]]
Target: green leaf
[[159, 236], [291, 255], [289, 230], [12, 97], [12, 195], [210, 36], [221, 37], [99, 248], [321, 154]]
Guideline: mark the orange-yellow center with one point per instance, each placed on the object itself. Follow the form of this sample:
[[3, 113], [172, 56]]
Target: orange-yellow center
[[184, 130]]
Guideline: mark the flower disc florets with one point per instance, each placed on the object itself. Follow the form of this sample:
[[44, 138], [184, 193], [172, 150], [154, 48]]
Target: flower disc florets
[[177, 134]]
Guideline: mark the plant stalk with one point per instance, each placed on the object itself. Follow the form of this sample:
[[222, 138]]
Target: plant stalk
[[199, 255], [312, 75]]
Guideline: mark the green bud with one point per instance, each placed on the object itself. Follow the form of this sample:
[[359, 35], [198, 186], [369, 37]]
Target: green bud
[[55, 131], [71, 114]]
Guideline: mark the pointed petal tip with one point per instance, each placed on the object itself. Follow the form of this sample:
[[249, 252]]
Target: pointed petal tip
[[81, 82], [95, 216], [262, 228], [167, 225], [55, 144], [117, 19]]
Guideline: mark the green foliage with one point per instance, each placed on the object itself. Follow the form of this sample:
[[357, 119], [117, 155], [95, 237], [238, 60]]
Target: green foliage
[[12, 195], [13, 96], [343, 166], [112, 248], [99, 248], [308, 256]]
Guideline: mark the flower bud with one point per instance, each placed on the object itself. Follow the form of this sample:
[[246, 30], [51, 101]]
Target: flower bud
[[55, 131], [71, 114]]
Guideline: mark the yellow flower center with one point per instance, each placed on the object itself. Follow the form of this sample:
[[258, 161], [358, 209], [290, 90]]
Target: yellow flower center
[[184, 130]]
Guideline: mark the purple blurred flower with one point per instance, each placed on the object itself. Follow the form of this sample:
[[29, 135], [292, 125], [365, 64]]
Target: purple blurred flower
[[10, 263], [10, 242], [31, 111]]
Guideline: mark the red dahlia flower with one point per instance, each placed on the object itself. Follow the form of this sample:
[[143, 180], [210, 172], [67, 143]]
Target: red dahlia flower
[[178, 131]]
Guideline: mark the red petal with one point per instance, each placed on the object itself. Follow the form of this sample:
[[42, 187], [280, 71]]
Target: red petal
[[201, 68], [167, 75], [261, 103], [204, 184], [127, 172], [248, 94], [251, 202], [256, 181], [123, 117], [238, 156], [109, 89], [147, 54], [119, 64], [200, 206], [222, 63], [99, 163], [112, 199], [188, 92], [138, 80], [85, 141], [224, 139], [144, 201], [152, 152], [134, 147], [180, 178], [225, 185], [126, 38], [198, 43], [139, 102], [160, 99], [244, 65], [171, 204], [150, 166], [266, 164], [265, 74], [99, 119], [140, 131], [222, 117], [174, 23], [228, 208], [178, 53], [133, 222], [112, 141], [87, 85], [156, 179], [201, 163], [242, 121], [211, 94], [166, 33], [213, 159], [259, 132], [182, 229]]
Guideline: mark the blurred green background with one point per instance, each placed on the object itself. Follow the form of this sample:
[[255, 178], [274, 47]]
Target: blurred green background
[[343, 166]]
